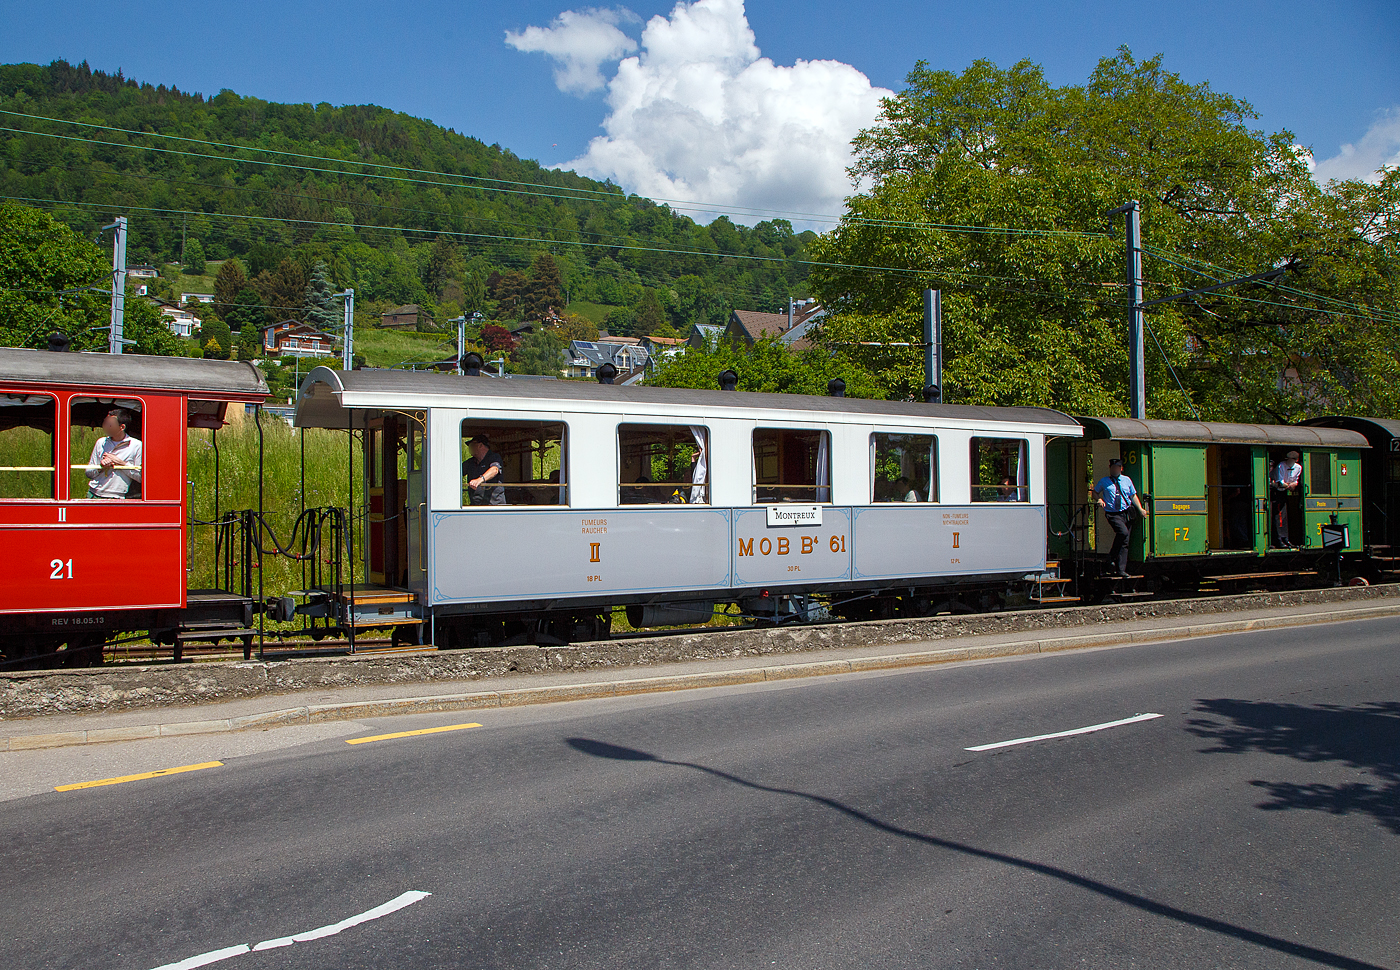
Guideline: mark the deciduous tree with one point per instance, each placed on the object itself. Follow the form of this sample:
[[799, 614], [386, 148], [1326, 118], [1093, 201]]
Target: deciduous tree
[[992, 186]]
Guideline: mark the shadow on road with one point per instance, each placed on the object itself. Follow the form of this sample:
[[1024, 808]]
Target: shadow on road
[[1365, 737], [603, 749]]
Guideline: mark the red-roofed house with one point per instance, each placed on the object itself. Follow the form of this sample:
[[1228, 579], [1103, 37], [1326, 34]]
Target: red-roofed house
[[750, 326]]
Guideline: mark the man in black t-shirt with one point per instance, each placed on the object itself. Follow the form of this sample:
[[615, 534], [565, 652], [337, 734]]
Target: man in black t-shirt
[[482, 470]]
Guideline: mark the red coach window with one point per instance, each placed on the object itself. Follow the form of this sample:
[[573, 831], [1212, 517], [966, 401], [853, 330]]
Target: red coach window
[[105, 449], [27, 446]]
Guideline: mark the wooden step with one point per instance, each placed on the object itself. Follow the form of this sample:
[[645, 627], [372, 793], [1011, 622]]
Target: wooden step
[[1047, 580], [1130, 594], [1055, 599]]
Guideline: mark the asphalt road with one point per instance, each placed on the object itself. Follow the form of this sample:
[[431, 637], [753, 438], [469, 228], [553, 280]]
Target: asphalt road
[[821, 823]]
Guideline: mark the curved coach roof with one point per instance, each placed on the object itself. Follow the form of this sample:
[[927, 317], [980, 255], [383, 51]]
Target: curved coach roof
[[1214, 432], [210, 380], [325, 393], [1378, 431]]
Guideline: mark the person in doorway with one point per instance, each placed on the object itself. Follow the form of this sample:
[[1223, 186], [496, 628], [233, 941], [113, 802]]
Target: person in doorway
[[115, 465], [480, 470], [1288, 483], [1117, 497]]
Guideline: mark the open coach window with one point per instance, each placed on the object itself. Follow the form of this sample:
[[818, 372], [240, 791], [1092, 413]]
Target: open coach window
[[1000, 470], [662, 464], [106, 448], [26, 446], [791, 465], [514, 463], [905, 467]]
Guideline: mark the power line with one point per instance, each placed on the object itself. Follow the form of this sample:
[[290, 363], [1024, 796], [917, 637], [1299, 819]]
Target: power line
[[582, 195]]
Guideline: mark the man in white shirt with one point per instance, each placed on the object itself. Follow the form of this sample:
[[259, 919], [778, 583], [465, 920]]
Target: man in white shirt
[[116, 459], [1288, 479]]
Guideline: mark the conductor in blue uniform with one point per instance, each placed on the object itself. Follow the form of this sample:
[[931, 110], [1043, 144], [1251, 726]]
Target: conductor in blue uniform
[[1116, 496]]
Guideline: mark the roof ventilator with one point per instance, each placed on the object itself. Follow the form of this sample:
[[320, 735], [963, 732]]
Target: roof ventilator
[[728, 380]]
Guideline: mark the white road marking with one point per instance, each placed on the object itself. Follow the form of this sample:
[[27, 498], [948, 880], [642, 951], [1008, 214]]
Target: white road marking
[[1065, 734], [399, 902], [214, 956]]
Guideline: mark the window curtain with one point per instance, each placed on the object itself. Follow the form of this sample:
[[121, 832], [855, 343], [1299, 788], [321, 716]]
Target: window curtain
[[702, 467], [823, 468], [1023, 492]]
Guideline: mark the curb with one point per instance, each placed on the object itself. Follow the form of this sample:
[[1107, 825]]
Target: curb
[[523, 696]]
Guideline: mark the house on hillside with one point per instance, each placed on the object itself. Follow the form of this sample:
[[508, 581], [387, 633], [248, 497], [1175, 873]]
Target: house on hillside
[[750, 326], [406, 317], [659, 347], [703, 334], [180, 322], [142, 272], [292, 338], [188, 298], [625, 353]]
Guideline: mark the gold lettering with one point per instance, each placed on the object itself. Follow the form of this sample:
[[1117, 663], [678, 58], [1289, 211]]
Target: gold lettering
[[594, 548], [764, 546], [808, 544], [746, 547], [782, 545], [955, 539]]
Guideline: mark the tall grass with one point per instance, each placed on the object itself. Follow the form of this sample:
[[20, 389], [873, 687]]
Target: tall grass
[[330, 476]]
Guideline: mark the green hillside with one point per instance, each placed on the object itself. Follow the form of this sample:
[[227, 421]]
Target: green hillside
[[400, 209]]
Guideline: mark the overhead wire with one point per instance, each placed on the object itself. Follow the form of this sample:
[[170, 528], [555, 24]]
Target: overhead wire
[[579, 194], [1343, 308]]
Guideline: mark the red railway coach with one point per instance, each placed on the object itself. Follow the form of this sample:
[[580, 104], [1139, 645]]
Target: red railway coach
[[78, 569]]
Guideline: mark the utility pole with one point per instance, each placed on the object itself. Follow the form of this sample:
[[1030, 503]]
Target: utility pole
[[347, 358], [114, 333], [933, 342], [1137, 366], [461, 339]]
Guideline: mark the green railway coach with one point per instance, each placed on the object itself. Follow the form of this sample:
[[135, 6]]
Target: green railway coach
[[1207, 490]]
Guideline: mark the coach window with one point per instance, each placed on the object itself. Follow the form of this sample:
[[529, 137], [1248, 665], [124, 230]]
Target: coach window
[[999, 470], [791, 465], [26, 446], [106, 448], [663, 464], [905, 467], [1319, 473], [533, 456]]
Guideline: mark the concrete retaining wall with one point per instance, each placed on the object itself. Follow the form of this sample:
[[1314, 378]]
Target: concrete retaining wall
[[123, 688]]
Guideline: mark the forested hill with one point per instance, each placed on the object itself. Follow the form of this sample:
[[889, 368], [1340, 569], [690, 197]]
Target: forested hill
[[404, 211]]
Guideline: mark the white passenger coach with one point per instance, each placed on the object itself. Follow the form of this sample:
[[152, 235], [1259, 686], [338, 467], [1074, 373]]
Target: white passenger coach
[[670, 501]]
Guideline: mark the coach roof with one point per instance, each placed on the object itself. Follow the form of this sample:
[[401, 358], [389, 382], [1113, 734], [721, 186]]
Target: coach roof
[[213, 380], [374, 389], [1220, 433]]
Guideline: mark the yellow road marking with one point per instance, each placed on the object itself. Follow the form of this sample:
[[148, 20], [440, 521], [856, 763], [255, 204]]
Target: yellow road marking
[[411, 734], [143, 775]]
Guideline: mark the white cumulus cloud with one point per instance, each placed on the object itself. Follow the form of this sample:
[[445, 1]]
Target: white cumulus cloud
[[581, 42], [700, 115], [1379, 148]]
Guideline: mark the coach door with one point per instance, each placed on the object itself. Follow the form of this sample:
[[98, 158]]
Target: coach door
[[416, 519], [386, 487]]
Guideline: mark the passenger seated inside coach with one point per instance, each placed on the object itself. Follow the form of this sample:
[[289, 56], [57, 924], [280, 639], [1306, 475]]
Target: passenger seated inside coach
[[514, 463], [484, 473]]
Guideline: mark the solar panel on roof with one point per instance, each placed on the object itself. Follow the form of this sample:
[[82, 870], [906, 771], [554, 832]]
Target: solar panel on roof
[[581, 345]]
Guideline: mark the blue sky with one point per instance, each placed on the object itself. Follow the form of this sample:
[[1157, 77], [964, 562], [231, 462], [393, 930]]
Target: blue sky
[[1330, 72]]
